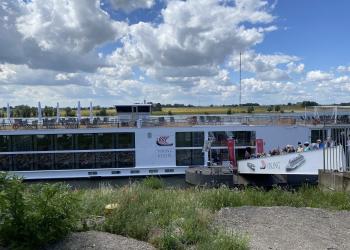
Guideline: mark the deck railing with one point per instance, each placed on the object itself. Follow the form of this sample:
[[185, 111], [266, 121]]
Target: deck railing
[[166, 121]]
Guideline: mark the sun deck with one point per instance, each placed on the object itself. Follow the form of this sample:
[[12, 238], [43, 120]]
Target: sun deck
[[168, 121]]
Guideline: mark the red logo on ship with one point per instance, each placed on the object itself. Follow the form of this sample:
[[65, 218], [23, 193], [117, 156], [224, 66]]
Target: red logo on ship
[[162, 141]]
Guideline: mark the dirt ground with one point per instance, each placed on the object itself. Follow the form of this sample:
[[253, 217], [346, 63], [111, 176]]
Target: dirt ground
[[287, 227]]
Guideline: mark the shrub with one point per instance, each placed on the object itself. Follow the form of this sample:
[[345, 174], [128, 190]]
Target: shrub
[[36, 215]]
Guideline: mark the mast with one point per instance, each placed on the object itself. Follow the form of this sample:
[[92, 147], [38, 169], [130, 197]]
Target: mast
[[240, 78]]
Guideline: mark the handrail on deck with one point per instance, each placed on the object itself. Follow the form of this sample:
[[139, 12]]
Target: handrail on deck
[[165, 121]]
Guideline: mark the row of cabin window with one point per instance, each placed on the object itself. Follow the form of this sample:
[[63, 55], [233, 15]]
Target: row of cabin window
[[196, 139], [47, 142], [61, 161]]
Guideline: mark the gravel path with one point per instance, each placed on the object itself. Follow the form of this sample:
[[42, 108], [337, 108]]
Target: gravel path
[[99, 241], [288, 228]]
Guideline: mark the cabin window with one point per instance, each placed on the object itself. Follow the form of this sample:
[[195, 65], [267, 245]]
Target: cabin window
[[105, 141], [23, 162], [245, 138], [22, 143], [64, 161], [64, 142], [124, 109], [5, 162], [189, 139], [125, 159], [144, 109], [105, 160], [4, 143], [125, 140], [85, 160], [43, 161], [220, 137], [44, 142], [219, 155], [85, 141], [318, 134], [189, 157]]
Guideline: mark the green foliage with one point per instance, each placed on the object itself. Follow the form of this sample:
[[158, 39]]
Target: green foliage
[[167, 218], [103, 112], [153, 182], [270, 108], [49, 111], [32, 216], [250, 109], [69, 111], [170, 113], [229, 111], [223, 241], [277, 108]]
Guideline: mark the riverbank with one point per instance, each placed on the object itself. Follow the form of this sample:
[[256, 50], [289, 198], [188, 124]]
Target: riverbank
[[167, 218]]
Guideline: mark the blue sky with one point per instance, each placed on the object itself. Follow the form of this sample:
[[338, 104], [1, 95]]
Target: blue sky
[[172, 51], [316, 30]]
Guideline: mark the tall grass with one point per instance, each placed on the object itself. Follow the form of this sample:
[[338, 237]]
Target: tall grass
[[168, 218], [180, 218]]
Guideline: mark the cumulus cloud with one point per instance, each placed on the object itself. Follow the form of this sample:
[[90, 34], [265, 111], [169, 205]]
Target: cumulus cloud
[[275, 67], [195, 36], [343, 69], [295, 68], [55, 34], [317, 75], [131, 5]]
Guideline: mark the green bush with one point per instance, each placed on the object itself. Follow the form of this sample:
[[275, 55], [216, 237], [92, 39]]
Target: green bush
[[32, 216]]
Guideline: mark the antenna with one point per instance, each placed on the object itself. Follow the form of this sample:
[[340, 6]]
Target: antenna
[[240, 78]]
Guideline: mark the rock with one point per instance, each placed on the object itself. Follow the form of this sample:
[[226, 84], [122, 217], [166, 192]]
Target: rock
[[99, 241]]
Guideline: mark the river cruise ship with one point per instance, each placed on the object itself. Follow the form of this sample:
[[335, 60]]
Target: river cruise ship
[[135, 143]]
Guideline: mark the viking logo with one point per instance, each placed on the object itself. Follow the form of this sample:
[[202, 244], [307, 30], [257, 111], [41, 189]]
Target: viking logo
[[162, 141]]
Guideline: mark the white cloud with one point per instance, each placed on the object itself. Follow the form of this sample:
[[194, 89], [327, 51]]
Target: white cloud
[[343, 69], [295, 68], [131, 5], [317, 75], [257, 63], [194, 38], [55, 34]]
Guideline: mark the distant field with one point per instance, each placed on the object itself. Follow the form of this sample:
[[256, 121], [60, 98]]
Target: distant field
[[222, 110], [188, 110]]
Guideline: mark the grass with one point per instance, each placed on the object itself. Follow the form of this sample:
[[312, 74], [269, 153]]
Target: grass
[[222, 110], [168, 218], [180, 218]]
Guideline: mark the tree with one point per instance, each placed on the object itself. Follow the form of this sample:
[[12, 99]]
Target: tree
[[103, 112], [69, 111], [229, 111], [308, 103], [277, 108], [48, 111], [250, 109], [269, 108]]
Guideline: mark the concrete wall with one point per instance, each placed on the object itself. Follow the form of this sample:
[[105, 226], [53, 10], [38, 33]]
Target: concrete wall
[[334, 181]]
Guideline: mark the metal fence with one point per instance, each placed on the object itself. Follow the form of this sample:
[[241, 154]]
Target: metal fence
[[167, 121], [336, 152]]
